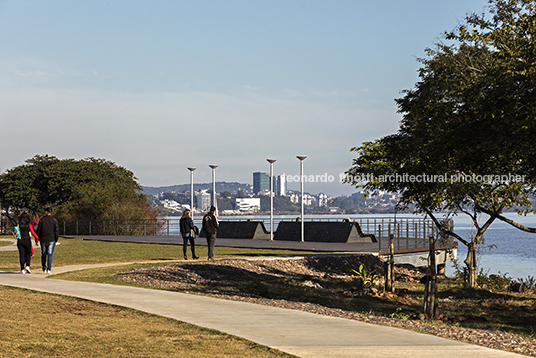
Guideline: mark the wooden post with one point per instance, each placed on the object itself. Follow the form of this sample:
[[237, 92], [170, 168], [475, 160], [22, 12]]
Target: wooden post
[[431, 307], [390, 267]]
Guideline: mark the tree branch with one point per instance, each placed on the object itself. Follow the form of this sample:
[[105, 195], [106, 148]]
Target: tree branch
[[443, 229], [509, 221]]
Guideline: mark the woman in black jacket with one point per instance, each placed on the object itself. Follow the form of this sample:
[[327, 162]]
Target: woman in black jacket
[[24, 243], [188, 233]]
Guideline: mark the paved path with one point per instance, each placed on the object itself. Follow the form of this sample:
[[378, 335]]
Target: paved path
[[300, 333]]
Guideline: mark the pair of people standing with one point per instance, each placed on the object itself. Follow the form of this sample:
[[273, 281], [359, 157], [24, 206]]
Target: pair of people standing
[[210, 225], [47, 234]]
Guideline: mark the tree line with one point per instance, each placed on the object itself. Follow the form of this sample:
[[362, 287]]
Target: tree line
[[76, 189]]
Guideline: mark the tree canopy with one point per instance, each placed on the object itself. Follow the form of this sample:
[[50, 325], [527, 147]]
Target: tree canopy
[[77, 189], [465, 142]]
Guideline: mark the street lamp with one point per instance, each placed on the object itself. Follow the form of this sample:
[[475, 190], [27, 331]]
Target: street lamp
[[271, 161], [214, 203], [191, 169], [301, 158]]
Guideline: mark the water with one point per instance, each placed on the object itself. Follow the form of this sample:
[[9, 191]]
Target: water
[[513, 252]]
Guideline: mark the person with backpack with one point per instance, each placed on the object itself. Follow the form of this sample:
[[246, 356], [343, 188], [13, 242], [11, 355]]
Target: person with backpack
[[24, 243], [188, 232]]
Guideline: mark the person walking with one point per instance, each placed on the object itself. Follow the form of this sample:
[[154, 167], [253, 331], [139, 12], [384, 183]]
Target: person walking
[[188, 233], [24, 243], [210, 226], [48, 232]]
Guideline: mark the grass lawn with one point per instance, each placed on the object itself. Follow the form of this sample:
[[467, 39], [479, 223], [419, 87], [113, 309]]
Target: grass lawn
[[78, 252], [70, 327], [78, 328], [5, 242]]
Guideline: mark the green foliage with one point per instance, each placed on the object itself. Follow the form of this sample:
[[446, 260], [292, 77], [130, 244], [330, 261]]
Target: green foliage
[[77, 189], [529, 282], [397, 314], [368, 278], [471, 115]]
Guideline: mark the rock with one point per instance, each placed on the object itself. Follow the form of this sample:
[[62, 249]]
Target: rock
[[312, 284]]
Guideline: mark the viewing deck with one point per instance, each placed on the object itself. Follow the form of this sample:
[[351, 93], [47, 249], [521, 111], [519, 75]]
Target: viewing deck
[[410, 236]]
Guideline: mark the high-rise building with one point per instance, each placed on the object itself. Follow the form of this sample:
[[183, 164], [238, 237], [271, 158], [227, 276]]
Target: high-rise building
[[280, 184], [203, 200], [261, 182]]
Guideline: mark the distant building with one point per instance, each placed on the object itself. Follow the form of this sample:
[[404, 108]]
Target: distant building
[[280, 183], [203, 200], [261, 181], [172, 205], [322, 199], [248, 205]]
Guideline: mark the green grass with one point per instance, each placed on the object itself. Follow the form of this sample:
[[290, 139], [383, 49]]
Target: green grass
[[5, 242], [82, 252]]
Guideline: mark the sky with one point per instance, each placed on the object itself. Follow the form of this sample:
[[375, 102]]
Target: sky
[[158, 86]]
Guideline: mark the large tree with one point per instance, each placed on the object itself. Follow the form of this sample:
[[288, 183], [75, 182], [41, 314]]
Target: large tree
[[77, 189], [465, 143]]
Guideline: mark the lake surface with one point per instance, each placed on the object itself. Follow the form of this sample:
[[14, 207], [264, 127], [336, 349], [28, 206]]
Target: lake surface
[[512, 251]]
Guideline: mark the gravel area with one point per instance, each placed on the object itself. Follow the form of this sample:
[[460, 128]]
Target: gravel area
[[190, 276]]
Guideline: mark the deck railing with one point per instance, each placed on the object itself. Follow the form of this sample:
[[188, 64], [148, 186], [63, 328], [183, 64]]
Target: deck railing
[[408, 230]]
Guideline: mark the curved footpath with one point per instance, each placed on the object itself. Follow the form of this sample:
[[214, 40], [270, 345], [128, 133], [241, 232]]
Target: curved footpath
[[300, 333]]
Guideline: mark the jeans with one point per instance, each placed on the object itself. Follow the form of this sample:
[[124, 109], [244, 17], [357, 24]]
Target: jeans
[[211, 240], [47, 249], [185, 241]]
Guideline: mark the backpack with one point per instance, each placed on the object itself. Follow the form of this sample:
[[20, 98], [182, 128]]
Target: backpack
[[16, 232]]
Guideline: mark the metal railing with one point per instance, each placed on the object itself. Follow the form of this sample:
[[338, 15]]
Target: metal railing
[[408, 230]]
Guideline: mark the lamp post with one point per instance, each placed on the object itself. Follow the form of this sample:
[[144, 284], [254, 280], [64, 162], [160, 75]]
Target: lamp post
[[271, 161], [301, 158], [214, 203], [191, 169]]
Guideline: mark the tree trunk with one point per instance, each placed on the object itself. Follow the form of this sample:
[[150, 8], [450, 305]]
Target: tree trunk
[[431, 307], [470, 263]]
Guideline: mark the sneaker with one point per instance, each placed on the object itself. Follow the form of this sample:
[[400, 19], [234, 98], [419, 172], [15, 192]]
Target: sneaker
[[28, 269], [48, 271], [23, 272]]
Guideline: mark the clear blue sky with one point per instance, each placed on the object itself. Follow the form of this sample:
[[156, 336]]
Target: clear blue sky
[[157, 86]]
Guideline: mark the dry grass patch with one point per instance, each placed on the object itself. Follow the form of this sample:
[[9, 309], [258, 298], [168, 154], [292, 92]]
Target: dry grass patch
[[37, 324]]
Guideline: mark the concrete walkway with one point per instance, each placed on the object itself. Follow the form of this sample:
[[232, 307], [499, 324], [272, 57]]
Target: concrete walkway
[[300, 333]]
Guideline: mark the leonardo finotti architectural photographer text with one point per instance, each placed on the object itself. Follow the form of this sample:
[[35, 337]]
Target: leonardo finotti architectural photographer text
[[409, 178]]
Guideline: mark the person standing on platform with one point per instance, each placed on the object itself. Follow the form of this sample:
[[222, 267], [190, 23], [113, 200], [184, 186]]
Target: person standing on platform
[[210, 227], [48, 233]]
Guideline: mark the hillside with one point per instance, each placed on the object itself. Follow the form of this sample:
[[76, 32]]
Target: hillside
[[231, 187]]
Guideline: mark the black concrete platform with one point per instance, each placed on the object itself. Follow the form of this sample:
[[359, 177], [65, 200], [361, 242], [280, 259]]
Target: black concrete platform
[[323, 231], [242, 230]]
